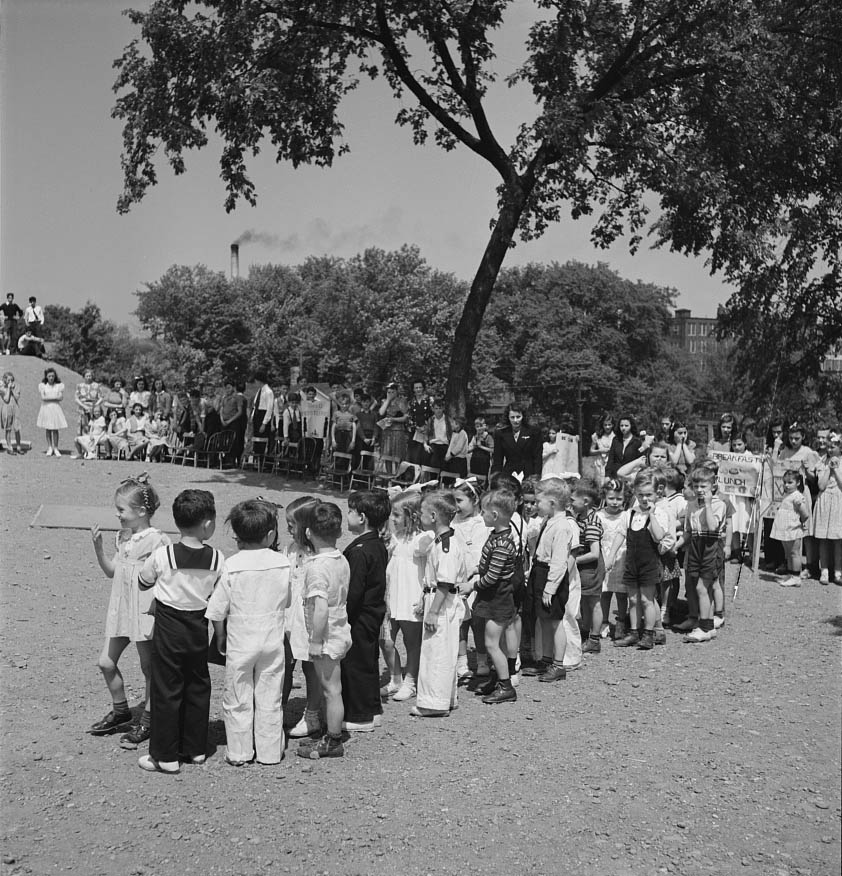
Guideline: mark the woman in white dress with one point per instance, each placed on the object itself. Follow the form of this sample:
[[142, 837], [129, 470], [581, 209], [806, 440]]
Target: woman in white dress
[[51, 417]]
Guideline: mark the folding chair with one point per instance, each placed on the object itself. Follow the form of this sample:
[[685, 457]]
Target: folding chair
[[385, 469], [364, 473], [407, 474], [188, 451], [448, 478], [339, 470]]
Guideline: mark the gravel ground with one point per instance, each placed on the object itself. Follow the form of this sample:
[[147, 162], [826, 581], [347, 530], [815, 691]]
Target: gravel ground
[[719, 758]]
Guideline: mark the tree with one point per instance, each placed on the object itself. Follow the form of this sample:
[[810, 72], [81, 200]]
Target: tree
[[726, 110], [83, 339]]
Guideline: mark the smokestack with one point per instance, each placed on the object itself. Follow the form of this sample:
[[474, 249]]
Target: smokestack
[[235, 261]]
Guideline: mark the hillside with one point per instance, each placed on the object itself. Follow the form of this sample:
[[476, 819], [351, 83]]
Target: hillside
[[29, 372]]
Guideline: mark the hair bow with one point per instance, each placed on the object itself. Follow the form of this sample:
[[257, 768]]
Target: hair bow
[[276, 505], [518, 476], [142, 478]]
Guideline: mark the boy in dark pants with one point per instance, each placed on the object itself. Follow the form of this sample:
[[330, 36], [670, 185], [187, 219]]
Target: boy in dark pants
[[184, 576], [368, 511]]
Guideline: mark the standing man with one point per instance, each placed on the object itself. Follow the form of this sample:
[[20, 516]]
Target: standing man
[[262, 411], [33, 317], [11, 324], [420, 410], [315, 413]]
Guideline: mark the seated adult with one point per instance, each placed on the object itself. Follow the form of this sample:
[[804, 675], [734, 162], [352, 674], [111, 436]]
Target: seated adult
[[95, 434], [30, 344]]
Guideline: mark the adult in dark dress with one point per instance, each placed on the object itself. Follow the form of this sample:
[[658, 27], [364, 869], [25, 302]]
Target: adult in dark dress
[[517, 446], [625, 447]]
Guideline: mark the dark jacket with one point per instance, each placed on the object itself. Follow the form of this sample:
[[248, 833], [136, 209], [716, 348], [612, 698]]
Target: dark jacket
[[367, 557], [618, 457], [521, 455]]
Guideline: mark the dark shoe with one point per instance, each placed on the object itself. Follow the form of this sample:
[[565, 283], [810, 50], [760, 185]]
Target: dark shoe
[[647, 641], [489, 687], [327, 746], [629, 640], [554, 673], [592, 646], [538, 668], [660, 637], [500, 694], [111, 722], [619, 629], [134, 737]]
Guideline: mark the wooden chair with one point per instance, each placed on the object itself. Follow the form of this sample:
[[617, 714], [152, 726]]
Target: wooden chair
[[364, 473], [428, 473], [188, 451], [339, 470], [448, 478], [407, 474], [218, 447], [385, 469]]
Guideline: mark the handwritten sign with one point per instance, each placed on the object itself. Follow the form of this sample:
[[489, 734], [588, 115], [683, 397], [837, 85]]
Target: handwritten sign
[[564, 463], [773, 485], [738, 473]]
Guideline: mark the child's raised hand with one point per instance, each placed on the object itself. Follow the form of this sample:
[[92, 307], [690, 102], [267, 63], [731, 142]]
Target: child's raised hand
[[96, 537]]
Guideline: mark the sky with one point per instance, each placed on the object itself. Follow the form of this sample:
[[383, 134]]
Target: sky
[[62, 240]]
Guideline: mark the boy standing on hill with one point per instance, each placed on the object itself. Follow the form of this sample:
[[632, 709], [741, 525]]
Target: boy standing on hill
[[183, 576]]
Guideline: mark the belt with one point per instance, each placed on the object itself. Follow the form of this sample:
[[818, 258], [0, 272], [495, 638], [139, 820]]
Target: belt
[[540, 564], [450, 589]]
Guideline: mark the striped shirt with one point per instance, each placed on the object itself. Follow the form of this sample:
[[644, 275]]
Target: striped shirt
[[497, 564], [590, 529]]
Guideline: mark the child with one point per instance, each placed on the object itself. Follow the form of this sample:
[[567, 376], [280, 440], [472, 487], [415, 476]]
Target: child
[[588, 554], [471, 531], [326, 579], [128, 618], [296, 640], [742, 540], [827, 515], [9, 401], [526, 527], [87, 444], [405, 589], [368, 511], [116, 434], [551, 580], [183, 577], [615, 522], [456, 457], [648, 535], [158, 433], [790, 526], [343, 428], [438, 434], [480, 448], [495, 599], [703, 523], [253, 595], [672, 561], [443, 608]]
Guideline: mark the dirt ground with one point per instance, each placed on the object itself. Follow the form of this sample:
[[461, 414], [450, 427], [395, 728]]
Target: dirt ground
[[722, 758]]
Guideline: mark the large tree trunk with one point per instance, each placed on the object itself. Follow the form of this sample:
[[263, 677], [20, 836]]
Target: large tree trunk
[[465, 337]]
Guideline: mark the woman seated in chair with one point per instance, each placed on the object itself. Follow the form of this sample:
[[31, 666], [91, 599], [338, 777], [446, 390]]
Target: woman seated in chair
[[158, 434], [86, 444], [115, 434], [136, 432]]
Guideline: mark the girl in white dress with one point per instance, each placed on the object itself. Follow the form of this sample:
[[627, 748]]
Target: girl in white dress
[[128, 618], [405, 592], [600, 445], [615, 522], [51, 417]]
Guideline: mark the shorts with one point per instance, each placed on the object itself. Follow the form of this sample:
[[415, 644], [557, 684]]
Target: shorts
[[537, 581], [498, 605], [705, 557], [592, 577]]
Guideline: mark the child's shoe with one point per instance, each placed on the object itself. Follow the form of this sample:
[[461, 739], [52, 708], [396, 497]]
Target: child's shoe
[[197, 759], [647, 641], [389, 689], [685, 626], [327, 746], [420, 712], [804, 575], [824, 577], [660, 637], [592, 646], [536, 669], [500, 694], [628, 641], [134, 737], [604, 631], [793, 581], [696, 636], [309, 724], [234, 762], [405, 692], [359, 726], [837, 577], [111, 722], [514, 678], [488, 686], [554, 673], [620, 629], [148, 763], [462, 668], [665, 617], [718, 622]]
